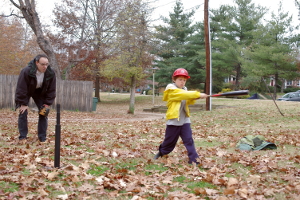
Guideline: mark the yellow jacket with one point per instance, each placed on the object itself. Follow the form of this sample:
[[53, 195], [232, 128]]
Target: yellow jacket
[[174, 96]]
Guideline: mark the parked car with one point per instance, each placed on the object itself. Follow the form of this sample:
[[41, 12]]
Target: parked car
[[291, 96]]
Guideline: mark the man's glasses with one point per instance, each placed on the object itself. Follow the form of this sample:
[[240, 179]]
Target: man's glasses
[[44, 64]]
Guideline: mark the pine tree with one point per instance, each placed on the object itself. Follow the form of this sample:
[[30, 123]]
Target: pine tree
[[178, 46], [272, 53], [232, 30]]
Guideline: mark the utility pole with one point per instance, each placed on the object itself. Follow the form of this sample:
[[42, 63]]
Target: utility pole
[[208, 55], [153, 92]]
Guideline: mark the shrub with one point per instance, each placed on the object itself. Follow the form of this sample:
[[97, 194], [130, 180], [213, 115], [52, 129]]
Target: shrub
[[226, 90], [291, 89], [244, 96], [229, 85]]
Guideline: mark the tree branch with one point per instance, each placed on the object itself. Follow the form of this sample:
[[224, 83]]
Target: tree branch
[[12, 14], [15, 4]]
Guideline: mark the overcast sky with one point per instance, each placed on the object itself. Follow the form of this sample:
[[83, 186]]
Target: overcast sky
[[163, 7]]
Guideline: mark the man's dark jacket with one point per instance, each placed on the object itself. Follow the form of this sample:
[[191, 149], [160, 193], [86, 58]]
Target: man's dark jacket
[[27, 82]]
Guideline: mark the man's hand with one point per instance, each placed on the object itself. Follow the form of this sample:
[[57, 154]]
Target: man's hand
[[44, 110], [23, 109]]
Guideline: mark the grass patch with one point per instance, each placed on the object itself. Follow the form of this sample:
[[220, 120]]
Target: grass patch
[[200, 184], [241, 169], [180, 179], [9, 186], [97, 170], [26, 172], [110, 98], [155, 168], [53, 191], [126, 165], [228, 175], [206, 144], [158, 167]]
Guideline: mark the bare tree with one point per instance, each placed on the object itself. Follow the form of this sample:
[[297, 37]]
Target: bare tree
[[16, 45], [90, 24], [28, 10], [132, 53]]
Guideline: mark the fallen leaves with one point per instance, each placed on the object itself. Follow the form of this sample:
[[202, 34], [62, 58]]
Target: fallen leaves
[[101, 157]]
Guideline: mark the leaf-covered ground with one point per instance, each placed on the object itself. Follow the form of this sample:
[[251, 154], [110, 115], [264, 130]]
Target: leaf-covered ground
[[108, 154]]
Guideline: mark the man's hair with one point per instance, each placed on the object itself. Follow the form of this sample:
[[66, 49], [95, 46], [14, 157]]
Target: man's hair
[[38, 57]]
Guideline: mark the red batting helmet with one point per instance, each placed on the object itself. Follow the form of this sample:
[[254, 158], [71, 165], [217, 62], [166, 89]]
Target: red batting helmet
[[181, 72]]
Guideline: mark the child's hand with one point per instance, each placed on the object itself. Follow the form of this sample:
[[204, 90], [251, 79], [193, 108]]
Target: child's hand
[[203, 96]]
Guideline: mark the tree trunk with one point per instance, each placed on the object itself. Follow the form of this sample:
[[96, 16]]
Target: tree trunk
[[237, 77], [132, 95], [31, 16], [282, 85], [97, 87], [275, 86]]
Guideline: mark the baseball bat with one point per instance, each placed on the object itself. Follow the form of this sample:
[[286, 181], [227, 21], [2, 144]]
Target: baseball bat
[[234, 93]]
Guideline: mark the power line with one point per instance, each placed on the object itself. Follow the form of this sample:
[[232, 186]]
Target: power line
[[193, 7], [196, 6], [164, 4]]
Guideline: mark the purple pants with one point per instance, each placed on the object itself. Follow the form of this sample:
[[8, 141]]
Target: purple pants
[[171, 137]]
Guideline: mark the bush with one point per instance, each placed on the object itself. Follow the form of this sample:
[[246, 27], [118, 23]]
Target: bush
[[244, 96], [270, 89], [216, 88], [226, 90], [228, 86], [291, 89]]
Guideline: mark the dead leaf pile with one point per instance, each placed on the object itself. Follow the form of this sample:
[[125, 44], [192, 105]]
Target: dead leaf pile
[[109, 156]]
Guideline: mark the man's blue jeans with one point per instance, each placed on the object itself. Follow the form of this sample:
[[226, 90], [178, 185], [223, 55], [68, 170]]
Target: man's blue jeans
[[42, 121]]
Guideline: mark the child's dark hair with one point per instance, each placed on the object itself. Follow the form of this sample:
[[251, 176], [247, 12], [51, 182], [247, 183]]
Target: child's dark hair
[[175, 77]]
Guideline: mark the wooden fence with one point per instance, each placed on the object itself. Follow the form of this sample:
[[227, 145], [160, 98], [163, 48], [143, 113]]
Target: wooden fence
[[71, 95]]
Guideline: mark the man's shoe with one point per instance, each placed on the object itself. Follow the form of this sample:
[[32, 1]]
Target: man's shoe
[[22, 141], [158, 155], [43, 142]]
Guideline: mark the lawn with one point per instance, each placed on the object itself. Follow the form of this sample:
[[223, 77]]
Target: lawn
[[108, 154]]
